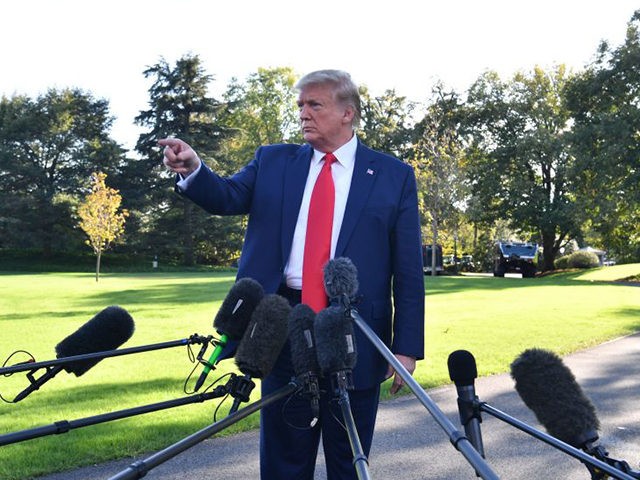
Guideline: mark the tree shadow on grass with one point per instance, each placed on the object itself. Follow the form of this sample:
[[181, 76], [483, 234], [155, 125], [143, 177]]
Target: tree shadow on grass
[[167, 294], [456, 284]]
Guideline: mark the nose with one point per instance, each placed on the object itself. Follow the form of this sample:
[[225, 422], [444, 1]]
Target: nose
[[304, 113]]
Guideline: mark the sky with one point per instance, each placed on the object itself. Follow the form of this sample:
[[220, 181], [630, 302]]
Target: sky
[[407, 45]]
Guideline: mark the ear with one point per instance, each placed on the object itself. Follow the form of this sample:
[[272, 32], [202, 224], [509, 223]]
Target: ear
[[349, 113]]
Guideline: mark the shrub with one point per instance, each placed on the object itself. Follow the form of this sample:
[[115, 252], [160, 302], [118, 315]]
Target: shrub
[[561, 263], [583, 259]]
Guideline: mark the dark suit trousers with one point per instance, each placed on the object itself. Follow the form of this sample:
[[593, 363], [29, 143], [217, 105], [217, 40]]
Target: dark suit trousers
[[289, 445]]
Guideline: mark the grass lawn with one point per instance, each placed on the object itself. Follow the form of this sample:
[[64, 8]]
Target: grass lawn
[[494, 318]]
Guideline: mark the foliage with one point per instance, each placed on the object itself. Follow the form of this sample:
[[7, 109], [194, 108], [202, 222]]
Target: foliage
[[386, 122], [605, 102], [583, 259], [179, 106], [100, 218], [48, 147], [545, 156], [561, 263], [521, 168], [261, 110], [438, 163]]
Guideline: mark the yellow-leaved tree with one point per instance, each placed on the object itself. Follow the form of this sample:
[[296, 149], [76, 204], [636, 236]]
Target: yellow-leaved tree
[[100, 218]]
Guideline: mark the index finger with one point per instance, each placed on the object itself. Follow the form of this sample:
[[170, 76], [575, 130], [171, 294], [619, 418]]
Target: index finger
[[169, 142]]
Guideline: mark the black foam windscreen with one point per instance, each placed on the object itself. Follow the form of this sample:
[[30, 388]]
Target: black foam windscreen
[[264, 338], [335, 340], [549, 389], [302, 340], [340, 278], [462, 368], [107, 330], [235, 312]]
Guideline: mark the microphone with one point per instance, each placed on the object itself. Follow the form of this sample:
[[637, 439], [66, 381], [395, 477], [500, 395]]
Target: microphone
[[463, 372], [337, 356], [232, 319], [107, 330], [548, 387], [340, 279], [336, 347], [304, 356], [262, 342]]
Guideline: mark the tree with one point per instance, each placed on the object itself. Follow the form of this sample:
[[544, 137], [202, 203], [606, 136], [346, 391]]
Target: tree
[[521, 171], [100, 218], [179, 106], [261, 110], [386, 122], [605, 103], [48, 146], [438, 162]]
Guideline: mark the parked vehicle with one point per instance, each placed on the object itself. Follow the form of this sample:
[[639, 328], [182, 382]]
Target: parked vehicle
[[514, 257], [426, 259]]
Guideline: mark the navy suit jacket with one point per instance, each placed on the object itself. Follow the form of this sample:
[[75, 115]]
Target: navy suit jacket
[[380, 233]]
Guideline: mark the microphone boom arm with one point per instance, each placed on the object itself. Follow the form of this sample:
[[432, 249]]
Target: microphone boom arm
[[34, 366], [140, 468], [63, 426], [560, 445], [457, 438]]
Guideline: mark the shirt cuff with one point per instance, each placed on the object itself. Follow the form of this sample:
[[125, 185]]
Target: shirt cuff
[[184, 182]]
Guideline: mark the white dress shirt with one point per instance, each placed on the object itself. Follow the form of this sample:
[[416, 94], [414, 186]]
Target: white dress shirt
[[341, 172]]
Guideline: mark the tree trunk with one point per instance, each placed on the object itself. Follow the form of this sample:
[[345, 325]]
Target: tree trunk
[[434, 247], [549, 252], [187, 243], [98, 265]]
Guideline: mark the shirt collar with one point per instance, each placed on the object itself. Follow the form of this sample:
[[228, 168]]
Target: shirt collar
[[346, 154]]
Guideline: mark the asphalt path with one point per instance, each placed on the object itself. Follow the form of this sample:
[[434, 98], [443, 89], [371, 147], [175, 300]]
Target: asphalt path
[[409, 444]]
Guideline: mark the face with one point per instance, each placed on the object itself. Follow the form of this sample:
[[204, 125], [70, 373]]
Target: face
[[326, 123]]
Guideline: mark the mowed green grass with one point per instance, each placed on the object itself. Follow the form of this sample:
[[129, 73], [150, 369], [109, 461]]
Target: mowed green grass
[[494, 318]]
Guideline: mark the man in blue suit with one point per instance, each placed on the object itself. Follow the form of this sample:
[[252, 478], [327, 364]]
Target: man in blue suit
[[375, 224]]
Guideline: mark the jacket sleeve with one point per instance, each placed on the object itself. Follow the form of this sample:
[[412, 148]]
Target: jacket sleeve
[[408, 276], [223, 195]]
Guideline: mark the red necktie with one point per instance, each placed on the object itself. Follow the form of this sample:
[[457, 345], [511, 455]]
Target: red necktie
[[317, 244]]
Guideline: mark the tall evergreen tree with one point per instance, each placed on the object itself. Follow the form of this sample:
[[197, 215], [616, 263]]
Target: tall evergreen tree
[[180, 106]]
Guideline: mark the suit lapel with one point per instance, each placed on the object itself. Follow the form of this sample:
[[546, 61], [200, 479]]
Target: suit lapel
[[365, 172], [295, 178]]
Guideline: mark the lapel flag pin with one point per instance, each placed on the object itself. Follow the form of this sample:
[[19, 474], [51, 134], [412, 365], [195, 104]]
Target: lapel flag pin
[[369, 171]]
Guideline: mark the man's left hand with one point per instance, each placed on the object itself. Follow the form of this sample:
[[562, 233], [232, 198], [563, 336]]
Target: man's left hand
[[407, 362]]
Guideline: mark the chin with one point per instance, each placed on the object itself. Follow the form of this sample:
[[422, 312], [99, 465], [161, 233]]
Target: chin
[[310, 137]]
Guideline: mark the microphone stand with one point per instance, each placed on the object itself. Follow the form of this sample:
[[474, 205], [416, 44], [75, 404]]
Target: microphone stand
[[342, 381], [140, 468], [34, 366], [457, 438], [615, 468], [64, 426]]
